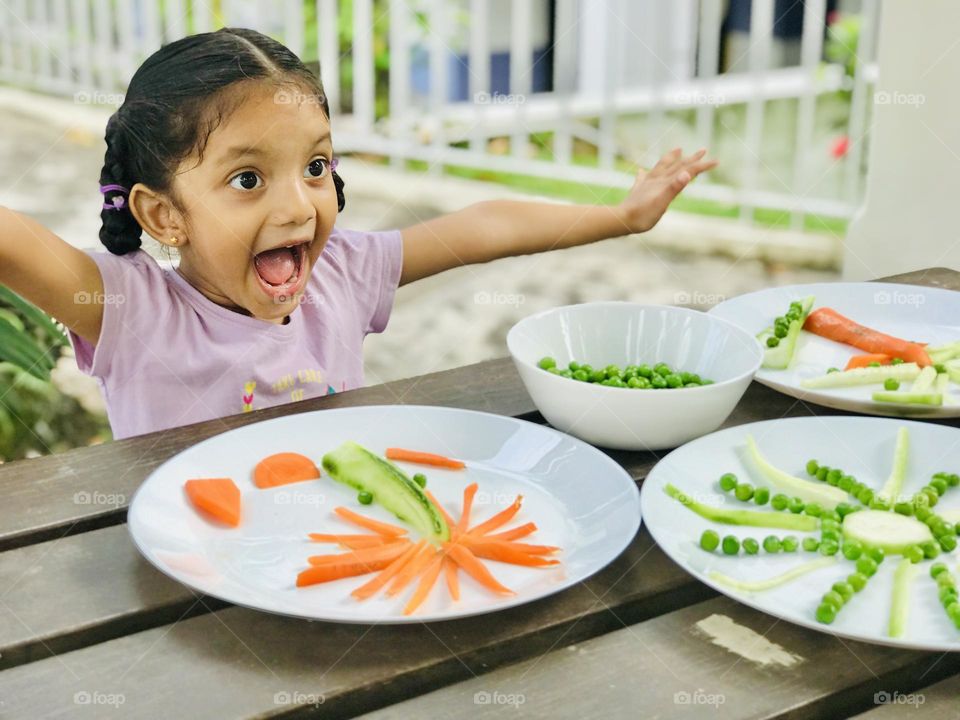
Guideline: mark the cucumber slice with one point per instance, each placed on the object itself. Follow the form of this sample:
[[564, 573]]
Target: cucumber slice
[[779, 357], [863, 376], [900, 606], [354, 465], [925, 380], [776, 581], [892, 532], [942, 353], [891, 490], [908, 397], [826, 496], [751, 518]]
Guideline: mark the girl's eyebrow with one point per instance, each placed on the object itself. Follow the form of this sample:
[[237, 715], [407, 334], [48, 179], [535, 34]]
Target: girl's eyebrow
[[239, 151]]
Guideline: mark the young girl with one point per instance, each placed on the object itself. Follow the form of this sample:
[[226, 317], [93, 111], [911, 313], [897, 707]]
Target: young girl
[[222, 150]]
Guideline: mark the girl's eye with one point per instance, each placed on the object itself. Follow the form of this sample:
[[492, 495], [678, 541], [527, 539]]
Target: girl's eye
[[317, 168], [247, 180]]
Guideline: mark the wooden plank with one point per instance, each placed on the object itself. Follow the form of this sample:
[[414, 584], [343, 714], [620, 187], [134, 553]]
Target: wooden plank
[[233, 663], [937, 702], [671, 668], [87, 488]]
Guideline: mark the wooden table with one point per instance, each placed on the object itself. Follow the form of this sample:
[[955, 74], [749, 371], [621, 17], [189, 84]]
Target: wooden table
[[90, 629]]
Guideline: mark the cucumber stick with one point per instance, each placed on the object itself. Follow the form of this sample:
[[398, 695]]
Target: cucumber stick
[[908, 397], [354, 465], [751, 518], [891, 490], [890, 531], [776, 581], [925, 380], [826, 496], [900, 606], [863, 376], [779, 357]]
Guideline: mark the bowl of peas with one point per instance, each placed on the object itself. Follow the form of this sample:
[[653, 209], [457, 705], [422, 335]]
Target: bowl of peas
[[630, 376]]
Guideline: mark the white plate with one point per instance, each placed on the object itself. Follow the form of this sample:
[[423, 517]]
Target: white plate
[[930, 315], [579, 498], [860, 446]]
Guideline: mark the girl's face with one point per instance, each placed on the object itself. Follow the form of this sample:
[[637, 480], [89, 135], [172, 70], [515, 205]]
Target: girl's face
[[260, 206]]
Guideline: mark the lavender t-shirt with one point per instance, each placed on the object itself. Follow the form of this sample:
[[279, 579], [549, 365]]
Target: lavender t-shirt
[[168, 356]]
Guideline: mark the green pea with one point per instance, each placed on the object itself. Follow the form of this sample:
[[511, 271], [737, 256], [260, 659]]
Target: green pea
[[876, 554], [731, 546], [709, 541], [832, 370], [845, 590], [420, 479], [813, 510], [897, 361], [914, 554], [865, 496], [940, 485], [796, 505], [826, 613], [674, 380], [953, 612], [761, 496], [811, 544], [879, 503], [857, 580], [833, 477], [832, 597], [948, 542], [829, 547], [573, 366], [844, 509], [822, 473], [547, 362], [866, 565], [812, 467], [930, 549], [597, 376], [903, 508], [846, 482], [645, 371], [771, 544], [891, 384], [779, 501], [750, 546], [744, 492], [364, 498], [662, 369], [936, 569], [658, 382], [773, 341], [790, 543], [852, 549]]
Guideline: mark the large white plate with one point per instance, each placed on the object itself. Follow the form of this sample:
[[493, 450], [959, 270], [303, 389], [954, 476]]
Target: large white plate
[[860, 446], [930, 315], [579, 498]]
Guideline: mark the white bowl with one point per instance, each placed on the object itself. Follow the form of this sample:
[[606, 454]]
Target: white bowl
[[624, 333]]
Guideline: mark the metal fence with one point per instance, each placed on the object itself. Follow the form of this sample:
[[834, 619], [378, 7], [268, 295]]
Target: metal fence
[[437, 81]]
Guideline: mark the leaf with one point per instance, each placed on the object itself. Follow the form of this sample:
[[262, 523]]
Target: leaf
[[33, 315], [19, 349]]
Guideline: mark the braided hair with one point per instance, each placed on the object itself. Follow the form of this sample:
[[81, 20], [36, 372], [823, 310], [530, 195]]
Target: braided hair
[[174, 101]]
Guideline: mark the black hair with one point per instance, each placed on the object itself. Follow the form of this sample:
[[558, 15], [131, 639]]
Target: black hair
[[173, 103]]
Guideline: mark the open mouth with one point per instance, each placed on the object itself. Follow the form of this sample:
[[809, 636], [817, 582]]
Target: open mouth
[[281, 270]]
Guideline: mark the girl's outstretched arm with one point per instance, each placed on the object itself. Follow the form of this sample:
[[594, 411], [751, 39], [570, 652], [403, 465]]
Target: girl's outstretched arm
[[503, 228], [52, 274]]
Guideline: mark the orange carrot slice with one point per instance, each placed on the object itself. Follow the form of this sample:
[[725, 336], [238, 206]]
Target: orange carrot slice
[[283, 469], [412, 569], [859, 361], [354, 542], [474, 540], [468, 492], [387, 552], [830, 324], [508, 553], [369, 523], [424, 458], [217, 497], [446, 516], [498, 520], [336, 571], [370, 588], [514, 533], [475, 569], [453, 582], [426, 584]]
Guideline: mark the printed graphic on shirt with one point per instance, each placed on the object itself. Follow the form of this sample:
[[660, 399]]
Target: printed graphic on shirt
[[248, 388]]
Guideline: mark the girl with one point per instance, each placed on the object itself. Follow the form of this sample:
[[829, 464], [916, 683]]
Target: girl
[[222, 150]]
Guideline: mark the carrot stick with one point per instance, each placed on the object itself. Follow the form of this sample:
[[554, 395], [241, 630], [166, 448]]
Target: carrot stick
[[475, 569], [354, 542], [498, 520], [335, 571], [505, 552], [446, 516], [426, 584], [858, 361], [424, 458], [369, 523], [472, 541], [830, 324], [453, 582], [284, 468], [217, 497], [412, 569], [387, 552], [517, 532], [370, 588], [468, 492]]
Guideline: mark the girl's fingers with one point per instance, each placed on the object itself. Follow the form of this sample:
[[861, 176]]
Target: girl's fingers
[[701, 166]]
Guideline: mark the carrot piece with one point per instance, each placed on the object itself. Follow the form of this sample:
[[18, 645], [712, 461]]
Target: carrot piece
[[335, 571], [218, 497], [354, 542], [468, 492], [369, 523], [473, 540], [446, 516], [514, 533], [370, 588], [498, 520], [387, 552], [424, 458], [453, 582], [412, 569], [475, 569], [283, 469], [508, 553], [830, 324], [858, 361], [426, 584]]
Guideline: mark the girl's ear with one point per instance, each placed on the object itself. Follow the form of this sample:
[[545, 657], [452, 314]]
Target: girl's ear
[[156, 214]]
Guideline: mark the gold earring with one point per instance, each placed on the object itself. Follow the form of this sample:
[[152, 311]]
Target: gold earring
[[174, 241]]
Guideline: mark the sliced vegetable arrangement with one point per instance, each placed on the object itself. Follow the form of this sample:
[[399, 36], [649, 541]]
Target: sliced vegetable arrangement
[[659, 376], [842, 519]]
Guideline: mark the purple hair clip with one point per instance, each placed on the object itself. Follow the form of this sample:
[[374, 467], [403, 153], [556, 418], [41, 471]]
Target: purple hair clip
[[117, 202], [333, 164]]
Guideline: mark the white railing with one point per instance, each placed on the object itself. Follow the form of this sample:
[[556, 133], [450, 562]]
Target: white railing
[[610, 60]]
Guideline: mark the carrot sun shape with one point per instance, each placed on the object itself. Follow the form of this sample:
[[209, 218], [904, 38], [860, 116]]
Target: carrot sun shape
[[424, 458], [830, 324], [217, 497], [381, 528], [283, 469]]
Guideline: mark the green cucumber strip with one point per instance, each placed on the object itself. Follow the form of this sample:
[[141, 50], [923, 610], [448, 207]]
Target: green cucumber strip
[[863, 376], [890, 531], [908, 397], [779, 357], [777, 580], [751, 518], [826, 496], [900, 605], [942, 353], [924, 382], [891, 490]]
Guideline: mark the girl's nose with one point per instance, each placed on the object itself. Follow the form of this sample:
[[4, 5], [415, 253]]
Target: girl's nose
[[292, 205]]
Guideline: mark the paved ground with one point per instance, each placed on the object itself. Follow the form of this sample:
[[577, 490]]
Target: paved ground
[[459, 317]]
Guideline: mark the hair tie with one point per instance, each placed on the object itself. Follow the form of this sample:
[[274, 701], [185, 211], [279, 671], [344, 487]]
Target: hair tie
[[117, 202]]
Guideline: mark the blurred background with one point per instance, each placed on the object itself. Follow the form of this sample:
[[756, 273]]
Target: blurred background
[[436, 105]]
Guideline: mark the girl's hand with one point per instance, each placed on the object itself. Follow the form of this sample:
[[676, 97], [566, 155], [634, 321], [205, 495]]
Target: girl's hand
[[653, 191]]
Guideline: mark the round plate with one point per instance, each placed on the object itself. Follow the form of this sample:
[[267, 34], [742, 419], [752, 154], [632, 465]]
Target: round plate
[[579, 498], [862, 447], [929, 315]]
